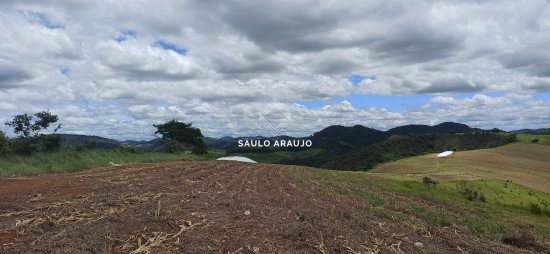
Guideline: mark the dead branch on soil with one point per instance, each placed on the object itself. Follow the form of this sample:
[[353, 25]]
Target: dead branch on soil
[[146, 242]]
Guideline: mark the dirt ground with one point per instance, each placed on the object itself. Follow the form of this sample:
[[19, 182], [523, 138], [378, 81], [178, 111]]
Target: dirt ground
[[206, 207]]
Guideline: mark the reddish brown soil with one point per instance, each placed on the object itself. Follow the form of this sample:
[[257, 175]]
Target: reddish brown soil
[[206, 207]]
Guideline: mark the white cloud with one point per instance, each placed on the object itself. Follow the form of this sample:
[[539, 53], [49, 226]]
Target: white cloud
[[290, 51]]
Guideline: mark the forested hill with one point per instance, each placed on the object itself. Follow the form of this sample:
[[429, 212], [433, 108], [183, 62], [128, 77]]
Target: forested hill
[[339, 137]]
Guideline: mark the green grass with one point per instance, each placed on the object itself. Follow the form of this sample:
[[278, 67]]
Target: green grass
[[71, 160], [507, 204], [527, 138], [280, 156]]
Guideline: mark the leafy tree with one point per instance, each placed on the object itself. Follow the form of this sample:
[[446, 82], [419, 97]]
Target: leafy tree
[[496, 130], [177, 135], [25, 128], [29, 134]]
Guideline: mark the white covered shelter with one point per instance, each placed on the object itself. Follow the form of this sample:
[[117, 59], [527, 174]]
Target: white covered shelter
[[236, 158], [445, 154]]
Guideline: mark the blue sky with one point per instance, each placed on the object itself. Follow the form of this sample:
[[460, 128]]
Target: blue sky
[[393, 103], [170, 46], [126, 34], [46, 20]]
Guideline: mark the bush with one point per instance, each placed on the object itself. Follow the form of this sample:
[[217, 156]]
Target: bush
[[470, 193], [482, 198], [512, 138], [200, 148], [127, 149], [427, 181], [535, 209], [174, 147], [50, 142], [534, 141], [4, 144], [88, 145], [23, 146]]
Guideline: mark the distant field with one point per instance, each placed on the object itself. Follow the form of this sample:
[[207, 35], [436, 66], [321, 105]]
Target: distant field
[[527, 138], [70, 160], [525, 164]]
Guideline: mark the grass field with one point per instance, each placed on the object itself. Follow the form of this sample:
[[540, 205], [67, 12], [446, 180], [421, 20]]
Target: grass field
[[70, 160], [524, 164], [527, 138]]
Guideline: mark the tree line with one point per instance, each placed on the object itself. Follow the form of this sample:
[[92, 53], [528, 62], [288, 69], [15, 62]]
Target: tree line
[[176, 136]]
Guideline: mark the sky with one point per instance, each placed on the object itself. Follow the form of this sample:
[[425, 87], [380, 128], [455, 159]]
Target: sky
[[115, 68]]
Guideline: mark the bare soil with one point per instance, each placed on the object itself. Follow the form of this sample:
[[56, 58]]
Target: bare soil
[[207, 207]]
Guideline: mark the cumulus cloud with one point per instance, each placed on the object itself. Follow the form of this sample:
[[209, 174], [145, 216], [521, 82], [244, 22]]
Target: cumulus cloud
[[128, 65]]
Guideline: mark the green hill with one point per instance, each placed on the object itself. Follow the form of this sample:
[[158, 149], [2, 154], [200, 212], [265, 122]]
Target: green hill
[[398, 147]]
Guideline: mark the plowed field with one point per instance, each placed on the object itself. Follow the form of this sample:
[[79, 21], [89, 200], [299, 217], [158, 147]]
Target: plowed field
[[208, 207]]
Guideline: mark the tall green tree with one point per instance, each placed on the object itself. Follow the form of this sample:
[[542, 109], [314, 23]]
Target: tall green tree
[[177, 135], [29, 128], [24, 127]]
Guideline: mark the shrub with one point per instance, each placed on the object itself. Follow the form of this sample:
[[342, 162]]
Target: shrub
[[50, 142], [200, 148], [469, 192], [4, 144], [482, 198], [535, 209], [23, 146], [127, 149], [534, 141], [427, 181], [88, 145], [174, 147]]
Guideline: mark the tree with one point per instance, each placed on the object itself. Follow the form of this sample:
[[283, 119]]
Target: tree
[[29, 136], [496, 130], [177, 135], [25, 128]]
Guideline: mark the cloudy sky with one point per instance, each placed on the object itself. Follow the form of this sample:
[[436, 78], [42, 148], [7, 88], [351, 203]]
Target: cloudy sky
[[113, 68]]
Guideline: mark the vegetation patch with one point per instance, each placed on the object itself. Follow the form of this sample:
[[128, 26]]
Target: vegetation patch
[[469, 192], [71, 159], [483, 206], [543, 139]]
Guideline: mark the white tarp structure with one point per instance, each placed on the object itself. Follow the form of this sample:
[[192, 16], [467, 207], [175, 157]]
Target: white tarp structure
[[445, 154], [236, 158]]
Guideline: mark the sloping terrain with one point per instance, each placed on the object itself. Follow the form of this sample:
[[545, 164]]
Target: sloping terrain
[[223, 207], [525, 164]]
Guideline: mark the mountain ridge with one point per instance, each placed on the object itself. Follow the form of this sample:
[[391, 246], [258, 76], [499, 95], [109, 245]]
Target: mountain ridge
[[331, 137]]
